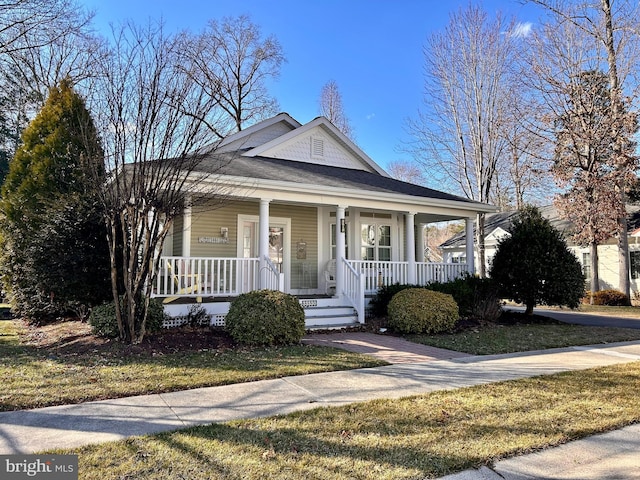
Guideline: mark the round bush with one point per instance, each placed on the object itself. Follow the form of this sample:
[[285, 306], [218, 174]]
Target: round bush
[[265, 317], [417, 310], [103, 319], [609, 297]]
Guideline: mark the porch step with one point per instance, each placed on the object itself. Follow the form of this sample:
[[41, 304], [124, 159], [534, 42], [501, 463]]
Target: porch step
[[330, 316]]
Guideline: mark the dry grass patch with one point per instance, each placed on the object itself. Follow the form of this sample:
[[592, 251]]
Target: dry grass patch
[[42, 367], [417, 437]]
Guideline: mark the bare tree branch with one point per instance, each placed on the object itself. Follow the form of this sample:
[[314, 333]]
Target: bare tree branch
[[155, 116], [331, 107]]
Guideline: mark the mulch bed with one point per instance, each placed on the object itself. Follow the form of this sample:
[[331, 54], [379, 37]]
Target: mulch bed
[[73, 337]]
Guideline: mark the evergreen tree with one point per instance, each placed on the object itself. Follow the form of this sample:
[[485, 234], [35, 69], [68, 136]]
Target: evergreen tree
[[54, 258], [534, 266]]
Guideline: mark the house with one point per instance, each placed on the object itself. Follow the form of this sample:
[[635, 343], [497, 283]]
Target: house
[[309, 213], [497, 226]]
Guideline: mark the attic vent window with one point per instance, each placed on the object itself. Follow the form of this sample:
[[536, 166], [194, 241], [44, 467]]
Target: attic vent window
[[317, 147]]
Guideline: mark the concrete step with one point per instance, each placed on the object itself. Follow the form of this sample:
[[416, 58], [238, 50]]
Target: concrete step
[[330, 316]]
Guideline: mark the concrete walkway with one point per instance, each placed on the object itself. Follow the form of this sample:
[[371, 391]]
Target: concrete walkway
[[71, 426], [389, 348]]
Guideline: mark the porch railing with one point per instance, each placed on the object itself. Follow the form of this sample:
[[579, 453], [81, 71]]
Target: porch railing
[[274, 280], [206, 276], [427, 272], [226, 277], [378, 273], [354, 287]]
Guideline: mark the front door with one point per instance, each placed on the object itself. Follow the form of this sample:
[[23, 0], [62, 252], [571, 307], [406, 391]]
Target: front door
[[279, 240]]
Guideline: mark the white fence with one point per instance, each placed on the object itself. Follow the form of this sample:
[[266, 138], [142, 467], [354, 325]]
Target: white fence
[[378, 274], [439, 272], [206, 276], [227, 277]]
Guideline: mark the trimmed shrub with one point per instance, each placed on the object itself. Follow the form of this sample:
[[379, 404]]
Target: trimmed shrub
[[198, 316], [477, 298], [379, 303], [534, 266], [611, 298], [265, 317], [103, 319], [418, 310]]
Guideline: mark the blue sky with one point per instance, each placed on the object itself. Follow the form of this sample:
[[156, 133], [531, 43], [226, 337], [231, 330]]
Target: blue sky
[[371, 48]]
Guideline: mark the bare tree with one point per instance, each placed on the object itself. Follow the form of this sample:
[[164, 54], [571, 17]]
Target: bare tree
[[26, 24], [460, 133], [331, 107], [592, 36], [406, 171], [41, 43], [585, 162], [523, 172], [154, 116], [70, 58], [232, 63]]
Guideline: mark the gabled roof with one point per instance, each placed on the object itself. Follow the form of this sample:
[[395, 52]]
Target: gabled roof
[[242, 139], [497, 223], [270, 149], [316, 174], [278, 156]]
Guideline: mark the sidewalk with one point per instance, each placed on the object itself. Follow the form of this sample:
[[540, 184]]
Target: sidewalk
[[71, 426]]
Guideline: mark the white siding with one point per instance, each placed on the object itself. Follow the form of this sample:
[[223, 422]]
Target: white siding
[[300, 149], [258, 138]]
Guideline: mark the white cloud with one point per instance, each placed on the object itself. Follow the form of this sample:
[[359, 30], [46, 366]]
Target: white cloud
[[370, 116], [522, 29]]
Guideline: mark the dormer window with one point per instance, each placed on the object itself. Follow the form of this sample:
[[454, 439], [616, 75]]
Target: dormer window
[[317, 147]]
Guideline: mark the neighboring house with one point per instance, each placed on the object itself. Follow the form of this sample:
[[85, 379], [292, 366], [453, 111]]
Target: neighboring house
[[498, 224], [309, 213]]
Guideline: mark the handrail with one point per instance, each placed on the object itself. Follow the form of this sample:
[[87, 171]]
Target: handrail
[[354, 288], [274, 280]]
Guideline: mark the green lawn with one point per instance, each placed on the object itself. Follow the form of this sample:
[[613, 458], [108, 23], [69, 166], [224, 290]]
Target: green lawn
[[495, 339], [417, 437], [520, 333], [633, 312], [35, 378]]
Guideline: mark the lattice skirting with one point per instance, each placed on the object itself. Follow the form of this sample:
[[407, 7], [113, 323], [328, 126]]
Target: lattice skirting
[[216, 320]]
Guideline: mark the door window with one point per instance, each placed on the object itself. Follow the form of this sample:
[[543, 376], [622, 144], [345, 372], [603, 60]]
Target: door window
[[276, 246], [375, 242]]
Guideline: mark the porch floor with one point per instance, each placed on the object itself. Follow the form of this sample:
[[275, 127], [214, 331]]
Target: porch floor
[[190, 300]]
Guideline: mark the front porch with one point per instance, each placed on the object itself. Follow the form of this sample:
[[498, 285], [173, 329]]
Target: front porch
[[213, 282]]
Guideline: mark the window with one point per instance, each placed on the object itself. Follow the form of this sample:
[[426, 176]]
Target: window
[[375, 242], [586, 265], [635, 264], [461, 259]]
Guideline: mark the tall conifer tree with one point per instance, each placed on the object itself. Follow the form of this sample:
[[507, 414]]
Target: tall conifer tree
[[54, 259]]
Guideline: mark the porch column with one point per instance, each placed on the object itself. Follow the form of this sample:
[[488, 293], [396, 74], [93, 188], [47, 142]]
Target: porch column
[[409, 221], [263, 239], [420, 243], [468, 227], [186, 229], [341, 248]]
